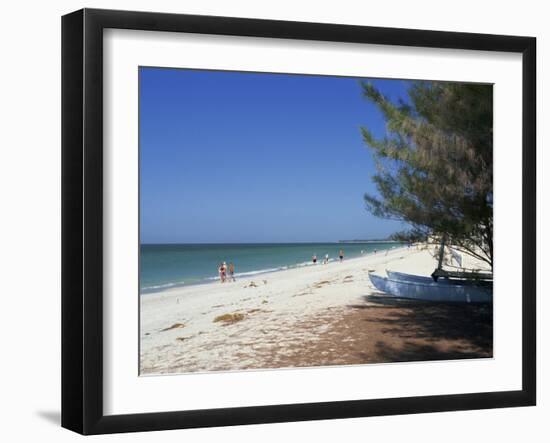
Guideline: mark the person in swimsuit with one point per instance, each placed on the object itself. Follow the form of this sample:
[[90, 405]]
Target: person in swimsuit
[[221, 271], [314, 259], [231, 271], [326, 259], [341, 255]]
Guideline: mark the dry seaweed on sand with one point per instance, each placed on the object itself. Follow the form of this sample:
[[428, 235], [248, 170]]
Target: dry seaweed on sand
[[229, 319], [174, 326], [252, 311], [320, 284]]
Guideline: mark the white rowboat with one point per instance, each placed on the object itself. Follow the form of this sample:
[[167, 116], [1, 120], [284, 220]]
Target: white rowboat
[[401, 276], [422, 289]]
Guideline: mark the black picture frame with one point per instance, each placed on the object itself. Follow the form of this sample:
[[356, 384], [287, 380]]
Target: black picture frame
[[82, 218]]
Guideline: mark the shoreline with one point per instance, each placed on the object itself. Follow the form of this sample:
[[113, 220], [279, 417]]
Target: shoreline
[[254, 273], [276, 319]]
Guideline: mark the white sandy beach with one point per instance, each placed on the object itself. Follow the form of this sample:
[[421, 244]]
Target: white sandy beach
[[266, 317]]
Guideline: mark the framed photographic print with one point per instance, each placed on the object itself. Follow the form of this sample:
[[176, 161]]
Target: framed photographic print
[[269, 221]]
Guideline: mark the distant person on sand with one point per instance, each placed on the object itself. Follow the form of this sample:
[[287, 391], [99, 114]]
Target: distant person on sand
[[231, 271], [341, 255], [326, 259], [221, 271], [314, 259]]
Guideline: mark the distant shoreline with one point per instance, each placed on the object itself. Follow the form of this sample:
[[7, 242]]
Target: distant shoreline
[[255, 273], [166, 266], [370, 241]]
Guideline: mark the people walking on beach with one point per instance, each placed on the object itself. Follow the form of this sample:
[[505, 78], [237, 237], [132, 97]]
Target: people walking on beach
[[225, 269], [325, 262], [231, 271], [341, 255], [221, 271], [314, 259]]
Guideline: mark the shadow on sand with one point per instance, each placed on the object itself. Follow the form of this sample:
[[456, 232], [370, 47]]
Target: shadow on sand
[[415, 330]]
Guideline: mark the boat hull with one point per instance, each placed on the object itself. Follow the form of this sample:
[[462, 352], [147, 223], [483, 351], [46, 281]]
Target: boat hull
[[432, 291], [401, 276]]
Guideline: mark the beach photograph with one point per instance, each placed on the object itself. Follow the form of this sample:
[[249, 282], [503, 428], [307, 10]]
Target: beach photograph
[[290, 221]]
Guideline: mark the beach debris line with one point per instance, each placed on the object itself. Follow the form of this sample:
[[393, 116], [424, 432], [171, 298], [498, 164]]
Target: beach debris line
[[253, 284]]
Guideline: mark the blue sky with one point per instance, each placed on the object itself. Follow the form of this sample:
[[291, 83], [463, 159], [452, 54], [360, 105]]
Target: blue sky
[[230, 157]]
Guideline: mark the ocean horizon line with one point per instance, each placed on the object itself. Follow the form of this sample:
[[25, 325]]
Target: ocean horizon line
[[269, 243]]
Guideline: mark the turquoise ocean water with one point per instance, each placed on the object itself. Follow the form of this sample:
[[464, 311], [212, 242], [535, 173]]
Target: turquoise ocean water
[[165, 266]]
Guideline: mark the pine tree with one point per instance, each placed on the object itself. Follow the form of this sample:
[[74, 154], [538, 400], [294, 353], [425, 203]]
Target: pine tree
[[435, 163]]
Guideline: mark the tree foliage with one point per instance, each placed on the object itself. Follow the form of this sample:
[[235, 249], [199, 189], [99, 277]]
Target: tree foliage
[[411, 236], [435, 162]]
